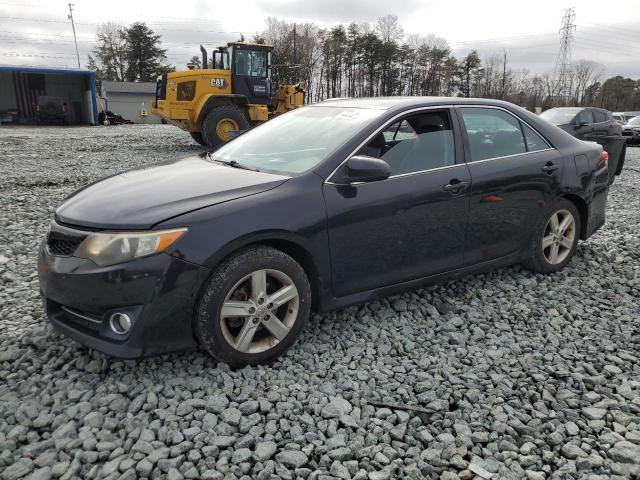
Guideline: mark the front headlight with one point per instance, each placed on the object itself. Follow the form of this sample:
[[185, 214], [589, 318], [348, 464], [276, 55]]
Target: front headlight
[[110, 248]]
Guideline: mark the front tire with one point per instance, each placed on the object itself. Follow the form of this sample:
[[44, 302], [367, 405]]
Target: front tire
[[254, 306], [220, 122], [555, 239]]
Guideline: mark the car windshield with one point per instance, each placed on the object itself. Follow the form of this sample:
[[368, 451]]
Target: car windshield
[[634, 121], [296, 141], [560, 116]]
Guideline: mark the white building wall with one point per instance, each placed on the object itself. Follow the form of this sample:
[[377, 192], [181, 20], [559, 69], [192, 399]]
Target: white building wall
[[132, 105]]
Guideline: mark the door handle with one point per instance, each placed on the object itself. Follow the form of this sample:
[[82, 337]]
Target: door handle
[[455, 186], [550, 167]]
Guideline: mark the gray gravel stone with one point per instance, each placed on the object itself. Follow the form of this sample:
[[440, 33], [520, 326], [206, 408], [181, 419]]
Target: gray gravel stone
[[265, 450], [292, 458], [231, 416]]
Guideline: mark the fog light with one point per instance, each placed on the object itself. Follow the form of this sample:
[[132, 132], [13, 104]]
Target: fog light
[[120, 323]]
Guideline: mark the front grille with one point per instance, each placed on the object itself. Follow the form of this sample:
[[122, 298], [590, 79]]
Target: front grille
[[63, 241], [62, 247], [628, 133]]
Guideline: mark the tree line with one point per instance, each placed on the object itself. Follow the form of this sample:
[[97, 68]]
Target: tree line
[[379, 59], [363, 59]]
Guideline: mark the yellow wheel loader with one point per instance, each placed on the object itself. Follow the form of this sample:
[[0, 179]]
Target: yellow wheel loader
[[236, 93]]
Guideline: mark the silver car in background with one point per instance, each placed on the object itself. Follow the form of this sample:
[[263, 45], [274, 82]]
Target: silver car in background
[[631, 131]]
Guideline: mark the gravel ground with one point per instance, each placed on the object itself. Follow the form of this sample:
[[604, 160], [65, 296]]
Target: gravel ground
[[515, 375]]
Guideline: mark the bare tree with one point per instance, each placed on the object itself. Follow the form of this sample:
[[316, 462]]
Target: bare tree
[[389, 29], [109, 57], [585, 73]]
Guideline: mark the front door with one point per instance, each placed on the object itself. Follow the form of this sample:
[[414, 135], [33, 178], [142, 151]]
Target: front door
[[408, 226], [515, 175], [250, 74]]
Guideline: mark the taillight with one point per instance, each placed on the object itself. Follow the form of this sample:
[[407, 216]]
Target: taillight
[[64, 108], [604, 156], [618, 127]]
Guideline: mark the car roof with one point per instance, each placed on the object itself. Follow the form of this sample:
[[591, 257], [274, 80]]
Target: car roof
[[387, 103]]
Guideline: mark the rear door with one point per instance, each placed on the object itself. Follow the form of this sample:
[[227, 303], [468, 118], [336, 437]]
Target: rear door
[[601, 125], [410, 225], [515, 175]]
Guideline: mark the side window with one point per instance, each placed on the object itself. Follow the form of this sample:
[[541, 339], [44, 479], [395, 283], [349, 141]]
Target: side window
[[599, 116], [534, 141], [492, 133], [251, 63], [399, 131], [419, 142], [585, 117]]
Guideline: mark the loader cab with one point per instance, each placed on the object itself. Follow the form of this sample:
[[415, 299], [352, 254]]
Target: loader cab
[[251, 72]]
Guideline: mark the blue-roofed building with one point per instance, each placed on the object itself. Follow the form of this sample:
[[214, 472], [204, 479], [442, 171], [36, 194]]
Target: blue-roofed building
[[22, 87]]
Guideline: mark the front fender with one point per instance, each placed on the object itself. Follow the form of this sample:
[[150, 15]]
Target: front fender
[[290, 217]]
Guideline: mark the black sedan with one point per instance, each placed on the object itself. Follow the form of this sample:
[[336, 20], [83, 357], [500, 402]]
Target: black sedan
[[326, 206]]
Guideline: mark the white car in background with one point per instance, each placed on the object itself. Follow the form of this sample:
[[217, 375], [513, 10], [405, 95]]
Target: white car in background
[[631, 130], [625, 117]]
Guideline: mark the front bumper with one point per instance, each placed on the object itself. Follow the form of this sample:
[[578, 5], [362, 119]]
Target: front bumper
[[158, 292]]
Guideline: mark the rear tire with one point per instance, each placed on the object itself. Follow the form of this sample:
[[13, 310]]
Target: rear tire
[[554, 244], [270, 293], [197, 136], [219, 122]]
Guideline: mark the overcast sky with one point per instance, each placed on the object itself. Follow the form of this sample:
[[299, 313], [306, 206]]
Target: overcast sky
[[38, 32]]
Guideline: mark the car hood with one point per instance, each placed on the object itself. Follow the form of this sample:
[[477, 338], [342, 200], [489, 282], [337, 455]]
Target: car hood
[[141, 198]]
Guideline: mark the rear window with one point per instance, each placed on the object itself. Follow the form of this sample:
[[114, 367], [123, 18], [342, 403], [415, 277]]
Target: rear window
[[560, 116], [585, 117], [492, 133]]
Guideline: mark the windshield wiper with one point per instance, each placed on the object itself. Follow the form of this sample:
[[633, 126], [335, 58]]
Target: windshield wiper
[[233, 163]]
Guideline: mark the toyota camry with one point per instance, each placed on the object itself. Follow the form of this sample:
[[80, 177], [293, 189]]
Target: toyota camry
[[329, 205]]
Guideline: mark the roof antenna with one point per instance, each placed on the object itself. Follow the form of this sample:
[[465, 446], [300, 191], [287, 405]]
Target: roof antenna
[[241, 37]]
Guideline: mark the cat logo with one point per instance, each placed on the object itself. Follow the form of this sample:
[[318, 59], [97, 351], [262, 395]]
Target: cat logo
[[219, 82]]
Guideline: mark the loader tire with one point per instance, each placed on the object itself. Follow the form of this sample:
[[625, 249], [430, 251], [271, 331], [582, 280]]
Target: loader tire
[[219, 122], [197, 136]]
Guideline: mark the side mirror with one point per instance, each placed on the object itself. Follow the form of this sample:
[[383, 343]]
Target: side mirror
[[361, 168]]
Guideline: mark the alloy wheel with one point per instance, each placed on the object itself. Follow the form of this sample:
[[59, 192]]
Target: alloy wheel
[[559, 237], [259, 311]]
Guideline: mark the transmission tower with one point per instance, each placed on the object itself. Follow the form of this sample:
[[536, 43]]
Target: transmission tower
[[563, 63]]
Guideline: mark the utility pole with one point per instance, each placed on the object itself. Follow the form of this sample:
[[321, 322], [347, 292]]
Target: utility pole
[[563, 63], [504, 75], [73, 26], [295, 54], [294, 43]]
